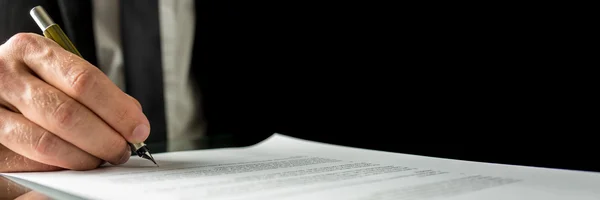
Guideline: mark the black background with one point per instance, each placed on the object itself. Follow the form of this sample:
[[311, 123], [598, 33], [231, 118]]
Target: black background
[[475, 81], [465, 81]]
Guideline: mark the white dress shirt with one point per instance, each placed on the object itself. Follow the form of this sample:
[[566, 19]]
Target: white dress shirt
[[184, 124]]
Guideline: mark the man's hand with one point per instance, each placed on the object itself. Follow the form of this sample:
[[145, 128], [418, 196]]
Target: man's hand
[[57, 111], [12, 190]]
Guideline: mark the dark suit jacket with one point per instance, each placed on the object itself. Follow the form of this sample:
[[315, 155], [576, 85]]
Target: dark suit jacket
[[428, 82]]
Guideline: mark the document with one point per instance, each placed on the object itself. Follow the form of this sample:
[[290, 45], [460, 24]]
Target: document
[[283, 167]]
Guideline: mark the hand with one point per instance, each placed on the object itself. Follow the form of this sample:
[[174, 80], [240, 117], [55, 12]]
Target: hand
[[11, 190], [57, 111]]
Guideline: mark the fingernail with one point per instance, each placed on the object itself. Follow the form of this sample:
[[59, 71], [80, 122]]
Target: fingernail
[[125, 156], [140, 133]]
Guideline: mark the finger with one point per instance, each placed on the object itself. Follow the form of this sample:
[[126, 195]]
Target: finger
[[83, 82], [66, 118], [13, 162], [5, 76], [27, 139]]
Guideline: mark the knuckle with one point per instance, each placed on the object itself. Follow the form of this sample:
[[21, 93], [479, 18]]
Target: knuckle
[[21, 42], [67, 114], [46, 145], [21, 39], [81, 80], [46, 53]]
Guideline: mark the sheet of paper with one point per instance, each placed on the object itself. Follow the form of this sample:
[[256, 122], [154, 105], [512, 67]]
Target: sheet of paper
[[282, 167]]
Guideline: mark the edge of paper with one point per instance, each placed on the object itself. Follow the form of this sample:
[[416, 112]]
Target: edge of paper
[[275, 136]]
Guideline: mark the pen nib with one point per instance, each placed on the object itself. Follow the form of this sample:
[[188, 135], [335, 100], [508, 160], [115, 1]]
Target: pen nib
[[145, 153]]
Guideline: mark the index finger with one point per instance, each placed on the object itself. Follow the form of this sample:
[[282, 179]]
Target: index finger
[[83, 82]]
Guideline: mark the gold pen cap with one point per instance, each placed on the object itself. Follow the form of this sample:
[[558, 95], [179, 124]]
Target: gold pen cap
[[52, 30], [41, 17]]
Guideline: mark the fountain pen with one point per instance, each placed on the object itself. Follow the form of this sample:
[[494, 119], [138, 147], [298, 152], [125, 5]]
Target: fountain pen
[[52, 31]]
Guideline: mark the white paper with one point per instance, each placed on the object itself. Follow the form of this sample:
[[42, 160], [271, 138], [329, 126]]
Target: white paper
[[282, 167]]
